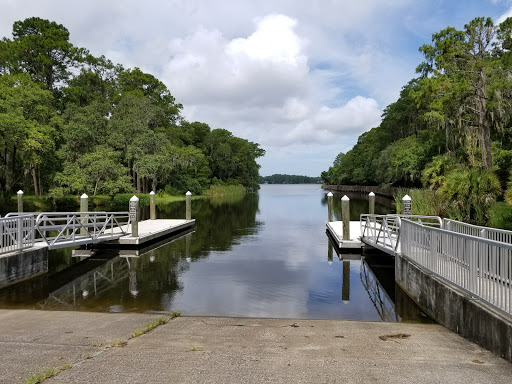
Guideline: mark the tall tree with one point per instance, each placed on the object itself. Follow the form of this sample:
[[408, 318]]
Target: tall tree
[[461, 72], [42, 49]]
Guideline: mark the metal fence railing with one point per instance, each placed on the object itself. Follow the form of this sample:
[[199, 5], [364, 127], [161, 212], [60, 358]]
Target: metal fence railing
[[16, 233], [383, 231], [59, 229], [495, 234], [63, 229], [480, 266]]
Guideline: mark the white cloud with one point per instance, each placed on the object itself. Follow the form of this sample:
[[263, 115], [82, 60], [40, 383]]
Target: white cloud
[[261, 86], [504, 16]]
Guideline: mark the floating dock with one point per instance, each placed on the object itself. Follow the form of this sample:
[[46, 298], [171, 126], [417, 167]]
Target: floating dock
[[151, 230], [335, 229]]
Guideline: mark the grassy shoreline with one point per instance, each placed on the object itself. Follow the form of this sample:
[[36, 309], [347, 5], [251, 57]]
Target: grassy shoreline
[[117, 202]]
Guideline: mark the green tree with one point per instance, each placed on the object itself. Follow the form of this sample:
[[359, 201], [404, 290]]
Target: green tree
[[27, 129], [99, 171], [42, 49], [464, 72]]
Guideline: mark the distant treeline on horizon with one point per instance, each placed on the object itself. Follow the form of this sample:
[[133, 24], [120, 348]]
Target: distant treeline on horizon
[[289, 179]]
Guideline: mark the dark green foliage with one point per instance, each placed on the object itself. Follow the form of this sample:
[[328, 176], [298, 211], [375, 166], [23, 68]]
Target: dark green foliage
[[121, 202], [500, 216], [290, 179], [72, 123], [449, 131], [470, 192], [66, 203]]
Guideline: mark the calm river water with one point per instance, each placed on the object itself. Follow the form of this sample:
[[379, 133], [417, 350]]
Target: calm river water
[[266, 255]]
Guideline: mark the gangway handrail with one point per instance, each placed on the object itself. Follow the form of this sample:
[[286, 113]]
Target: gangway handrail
[[383, 231], [16, 233], [495, 234], [479, 266], [80, 227]]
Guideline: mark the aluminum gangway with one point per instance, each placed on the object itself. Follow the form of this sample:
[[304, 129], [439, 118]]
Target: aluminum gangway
[[476, 259], [383, 231], [20, 231]]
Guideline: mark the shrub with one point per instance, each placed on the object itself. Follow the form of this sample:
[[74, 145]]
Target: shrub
[[500, 216], [470, 194], [424, 202], [121, 201]]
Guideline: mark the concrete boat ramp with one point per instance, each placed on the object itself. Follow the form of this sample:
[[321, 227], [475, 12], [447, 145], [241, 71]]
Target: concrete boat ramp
[[98, 348]]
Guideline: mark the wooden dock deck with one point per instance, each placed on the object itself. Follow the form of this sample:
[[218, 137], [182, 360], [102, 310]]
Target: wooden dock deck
[[335, 228]]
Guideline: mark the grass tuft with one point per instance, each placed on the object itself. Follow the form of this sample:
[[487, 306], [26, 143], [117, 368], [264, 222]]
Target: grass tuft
[[45, 375], [149, 327], [116, 344]]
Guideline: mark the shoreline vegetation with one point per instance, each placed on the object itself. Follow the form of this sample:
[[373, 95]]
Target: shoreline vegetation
[[471, 208], [448, 137], [119, 202], [74, 123], [289, 179]]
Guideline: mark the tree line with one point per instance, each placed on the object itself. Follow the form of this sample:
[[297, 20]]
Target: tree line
[[289, 179], [449, 130], [72, 123]]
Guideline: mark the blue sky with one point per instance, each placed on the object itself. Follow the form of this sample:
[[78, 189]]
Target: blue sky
[[303, 78]]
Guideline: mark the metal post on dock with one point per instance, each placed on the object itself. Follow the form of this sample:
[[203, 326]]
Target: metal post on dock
[[84, 207], [371, 203], [134, 215], [407, 204], [329, 207], [188, 213], [345, 215], [20, 201], [152, 214]]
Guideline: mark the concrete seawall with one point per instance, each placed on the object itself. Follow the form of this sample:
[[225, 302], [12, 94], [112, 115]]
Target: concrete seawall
[[22, 265], [455, 309]]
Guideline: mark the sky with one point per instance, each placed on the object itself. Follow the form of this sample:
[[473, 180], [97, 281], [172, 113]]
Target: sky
[[302, 78]]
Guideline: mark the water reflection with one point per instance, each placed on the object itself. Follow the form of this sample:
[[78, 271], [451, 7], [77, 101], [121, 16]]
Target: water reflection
[[260, 255], [376, 275], [358, 204]]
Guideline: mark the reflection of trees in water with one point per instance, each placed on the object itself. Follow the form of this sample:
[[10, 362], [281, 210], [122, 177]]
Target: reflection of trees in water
[[358, 204], [149, 281], [220, 223]]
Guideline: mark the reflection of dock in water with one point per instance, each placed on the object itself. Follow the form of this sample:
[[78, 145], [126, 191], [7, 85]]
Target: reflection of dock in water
[[87, 279], [380, 298], [88, 285], [101, 279], [377, 277]]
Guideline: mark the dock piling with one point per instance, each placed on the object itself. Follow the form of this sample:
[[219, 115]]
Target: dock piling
[[188, 213], [329, 207], [152, 212], [134, 215], [20, 201], [371, 203], [84, 207], [345, 215], [345, 288]]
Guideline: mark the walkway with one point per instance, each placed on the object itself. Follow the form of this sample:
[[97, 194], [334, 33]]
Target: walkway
[[230, 350]]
